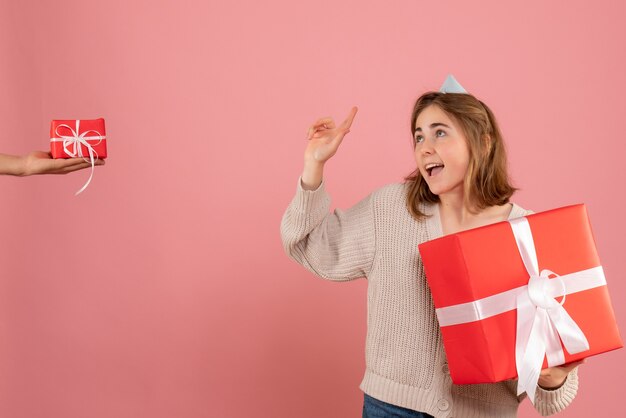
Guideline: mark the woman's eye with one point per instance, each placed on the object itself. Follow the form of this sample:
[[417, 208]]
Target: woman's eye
[[438, 133]]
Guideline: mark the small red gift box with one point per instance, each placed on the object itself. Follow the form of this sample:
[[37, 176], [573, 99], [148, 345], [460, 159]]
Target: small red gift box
[[498, 293], [78, 138]]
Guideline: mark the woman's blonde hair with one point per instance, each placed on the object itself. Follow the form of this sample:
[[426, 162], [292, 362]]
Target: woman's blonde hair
[[486, 182]]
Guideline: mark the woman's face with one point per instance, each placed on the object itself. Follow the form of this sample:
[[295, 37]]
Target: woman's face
[[440, 143]]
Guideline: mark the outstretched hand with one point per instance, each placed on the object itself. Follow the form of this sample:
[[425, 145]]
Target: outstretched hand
[[40, 162], [324, 138]]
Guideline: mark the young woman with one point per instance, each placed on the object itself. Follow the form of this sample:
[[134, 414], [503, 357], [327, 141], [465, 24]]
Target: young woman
[[460, 182]]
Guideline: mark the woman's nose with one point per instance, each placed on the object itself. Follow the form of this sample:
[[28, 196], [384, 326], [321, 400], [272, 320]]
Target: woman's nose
[[427, 146]]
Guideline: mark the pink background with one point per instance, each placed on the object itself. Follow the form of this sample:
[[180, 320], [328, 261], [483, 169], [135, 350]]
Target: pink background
[[163, 290]]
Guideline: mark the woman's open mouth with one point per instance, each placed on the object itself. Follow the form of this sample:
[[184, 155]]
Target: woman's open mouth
[[434, 169]]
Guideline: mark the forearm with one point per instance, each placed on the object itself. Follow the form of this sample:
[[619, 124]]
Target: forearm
[[12, 165], [336, 246]]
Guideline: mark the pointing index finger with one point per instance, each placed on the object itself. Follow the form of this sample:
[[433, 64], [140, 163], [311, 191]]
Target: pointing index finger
[[348, 122]]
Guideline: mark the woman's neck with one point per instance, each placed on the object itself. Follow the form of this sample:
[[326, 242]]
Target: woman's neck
[[456, 216]]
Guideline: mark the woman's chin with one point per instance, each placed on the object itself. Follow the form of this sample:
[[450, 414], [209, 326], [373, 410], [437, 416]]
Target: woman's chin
[[436, 190]]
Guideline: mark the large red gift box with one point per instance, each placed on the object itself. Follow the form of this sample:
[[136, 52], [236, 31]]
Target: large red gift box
[[481, 283], [74, 138]]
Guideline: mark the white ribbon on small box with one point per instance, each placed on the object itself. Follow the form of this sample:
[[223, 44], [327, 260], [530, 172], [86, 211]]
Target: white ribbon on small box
[[72, 146], [542, 322]]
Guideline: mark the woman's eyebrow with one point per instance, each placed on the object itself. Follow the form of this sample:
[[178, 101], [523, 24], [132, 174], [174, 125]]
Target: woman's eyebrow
[[433, 125]]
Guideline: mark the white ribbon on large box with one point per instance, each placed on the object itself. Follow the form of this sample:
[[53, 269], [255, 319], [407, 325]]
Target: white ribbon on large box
[[542, 322], [72, 146]]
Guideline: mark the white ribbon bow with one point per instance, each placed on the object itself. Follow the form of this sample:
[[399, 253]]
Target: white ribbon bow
[[542, 322], [75, 141]]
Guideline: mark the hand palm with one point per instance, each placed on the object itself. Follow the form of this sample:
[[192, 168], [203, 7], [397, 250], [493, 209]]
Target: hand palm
[[40, 162]]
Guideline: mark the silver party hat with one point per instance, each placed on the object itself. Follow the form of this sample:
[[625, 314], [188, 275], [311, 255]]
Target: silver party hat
[[451, 86]]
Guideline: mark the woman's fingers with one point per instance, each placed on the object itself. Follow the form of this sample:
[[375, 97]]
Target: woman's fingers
[[75, 167], [348, 122], [570, 366], [317, 131], [63, 166], [79, 167], [345, 126], [327, 122], [69, 162], [72, 164], [322, 121], [566, 367]]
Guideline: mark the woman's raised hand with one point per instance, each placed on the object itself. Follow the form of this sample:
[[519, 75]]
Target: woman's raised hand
[[324, 138]]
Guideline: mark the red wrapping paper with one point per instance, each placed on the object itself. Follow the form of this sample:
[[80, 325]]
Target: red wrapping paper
[[57, 131], [485, 261]]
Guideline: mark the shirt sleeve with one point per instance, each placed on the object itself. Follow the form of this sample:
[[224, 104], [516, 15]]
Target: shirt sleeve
[[336, 246], [548, 402]]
